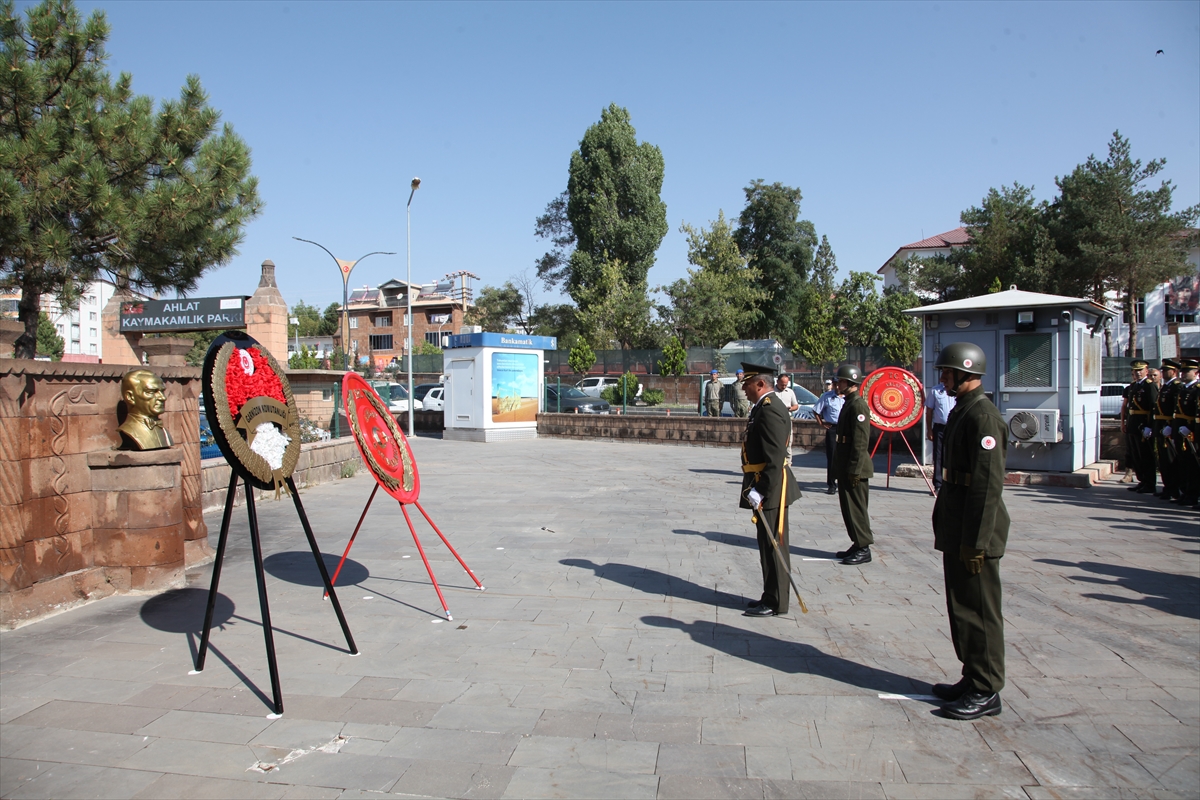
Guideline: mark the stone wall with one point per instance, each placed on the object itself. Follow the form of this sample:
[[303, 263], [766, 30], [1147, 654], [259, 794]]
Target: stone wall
[[56, 419], [319, 462], [705, 431]]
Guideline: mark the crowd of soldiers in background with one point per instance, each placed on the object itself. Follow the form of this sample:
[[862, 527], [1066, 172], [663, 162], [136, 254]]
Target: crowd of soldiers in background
[[1160, 419]]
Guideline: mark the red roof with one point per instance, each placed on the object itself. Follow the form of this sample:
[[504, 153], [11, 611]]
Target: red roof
[[955, 238]]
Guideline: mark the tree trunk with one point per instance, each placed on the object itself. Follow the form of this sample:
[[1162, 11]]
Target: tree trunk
[[28, 312], [1131, 315]]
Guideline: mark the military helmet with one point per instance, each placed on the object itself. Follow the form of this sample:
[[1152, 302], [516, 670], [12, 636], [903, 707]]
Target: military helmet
[[849, 372], [963, 356]]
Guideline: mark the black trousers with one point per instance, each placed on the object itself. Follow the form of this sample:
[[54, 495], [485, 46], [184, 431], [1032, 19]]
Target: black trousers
[[976, 621], [830, 446], [1139, 451], [939, 441], [775, 581], [853, 494], [1167, 466]]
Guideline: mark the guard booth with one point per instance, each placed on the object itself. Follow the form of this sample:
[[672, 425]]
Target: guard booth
[[1043, 370], [494, 385]]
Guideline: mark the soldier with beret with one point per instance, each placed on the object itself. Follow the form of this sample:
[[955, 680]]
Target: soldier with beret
[[1164, 412], [768, 486], [852, 468], [1140, 398], [970, 529], [741, 404], [1186, 433], [712, 394]]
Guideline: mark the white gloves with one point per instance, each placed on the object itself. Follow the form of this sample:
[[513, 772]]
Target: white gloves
[[1147, 433], [1183, 430], [1167, 431], [754, 497]]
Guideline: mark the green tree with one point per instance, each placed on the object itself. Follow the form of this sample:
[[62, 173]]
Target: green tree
[[1115, 233], [824, 267], [581, 358], [856, 309], [818, 338], [554, 319], [777, 243], [49, 343], [613, 208], [428, 349], [722, 299], [497, 309], [330, 320], [305, 359], [939, 276], [613, 310], [93, 181], [674, 360], [309, 320], [899, 334]]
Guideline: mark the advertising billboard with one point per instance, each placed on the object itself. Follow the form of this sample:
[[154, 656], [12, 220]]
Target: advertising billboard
[[514, 387]]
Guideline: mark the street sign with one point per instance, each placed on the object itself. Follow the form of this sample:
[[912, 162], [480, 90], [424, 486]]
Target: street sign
[[187, 314]]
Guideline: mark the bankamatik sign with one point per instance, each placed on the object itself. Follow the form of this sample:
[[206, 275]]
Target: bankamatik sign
[[189, 314]]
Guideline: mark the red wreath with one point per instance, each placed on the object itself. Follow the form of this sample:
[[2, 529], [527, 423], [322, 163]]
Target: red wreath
[[240, 387]]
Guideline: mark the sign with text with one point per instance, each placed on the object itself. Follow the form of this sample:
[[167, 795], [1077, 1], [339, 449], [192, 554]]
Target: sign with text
[[187, 314]]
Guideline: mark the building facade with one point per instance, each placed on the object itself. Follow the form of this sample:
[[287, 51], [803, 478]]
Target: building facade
[[80, 327], [377, 320]]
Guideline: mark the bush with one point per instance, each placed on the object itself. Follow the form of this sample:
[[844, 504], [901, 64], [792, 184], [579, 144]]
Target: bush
[[312, 432], [674, 360], [349, 469], [653, 396], [623, 391]]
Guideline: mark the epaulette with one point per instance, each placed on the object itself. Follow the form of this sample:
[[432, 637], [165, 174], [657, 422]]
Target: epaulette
[[766, 401]]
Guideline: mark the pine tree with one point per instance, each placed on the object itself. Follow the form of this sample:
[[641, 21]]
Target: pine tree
[[93, 181]]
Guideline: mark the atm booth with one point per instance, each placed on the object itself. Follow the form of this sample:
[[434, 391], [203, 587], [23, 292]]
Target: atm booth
[[1043, 370], [494, 385]]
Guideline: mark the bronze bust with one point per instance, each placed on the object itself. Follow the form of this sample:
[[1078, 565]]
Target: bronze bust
[[145, 400]]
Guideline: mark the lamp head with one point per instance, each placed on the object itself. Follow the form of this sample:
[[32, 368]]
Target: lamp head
[[416, 184]]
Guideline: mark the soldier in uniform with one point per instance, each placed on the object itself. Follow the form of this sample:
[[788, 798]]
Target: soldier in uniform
[[741, 404], [768, 486], [1186, 433], [712, 394], [970, 529], [1164, 411], [852, 467], [1140, 398]]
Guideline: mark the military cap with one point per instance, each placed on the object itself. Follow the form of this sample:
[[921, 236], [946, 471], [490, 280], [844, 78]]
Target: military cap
[[1138, 364], [1189, 363], [740, 370], [754, 370], [1170, 363], [714, 372]]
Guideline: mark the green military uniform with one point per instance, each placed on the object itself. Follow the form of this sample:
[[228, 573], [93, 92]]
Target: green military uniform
[[712, 396], [969, 513], [765, 469], [1140, 399], [1187, 418], [741, 404], [1164, 412], [852, 467]]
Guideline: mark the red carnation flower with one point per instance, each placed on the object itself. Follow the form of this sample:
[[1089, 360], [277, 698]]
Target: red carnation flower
[[240, 387]]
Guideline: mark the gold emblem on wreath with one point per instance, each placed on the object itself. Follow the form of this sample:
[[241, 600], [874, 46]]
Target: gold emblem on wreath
[[386, 443]]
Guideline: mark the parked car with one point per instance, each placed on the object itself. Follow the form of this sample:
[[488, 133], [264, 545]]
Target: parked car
[[434, 398], [422, 389], [208, 442], [395, 395], [595, 385], [574, 401], [1111, 396], [804, 398]]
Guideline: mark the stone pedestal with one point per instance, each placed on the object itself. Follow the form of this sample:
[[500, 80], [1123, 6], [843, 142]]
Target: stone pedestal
[[267, 315], [166, 351], [137, 517], [117, 347]]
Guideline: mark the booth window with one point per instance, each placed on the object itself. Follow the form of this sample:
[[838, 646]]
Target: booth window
[[381, 341], [1028, 363]]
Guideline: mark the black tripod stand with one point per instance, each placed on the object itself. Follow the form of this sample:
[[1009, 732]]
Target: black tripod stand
[[256, 545]]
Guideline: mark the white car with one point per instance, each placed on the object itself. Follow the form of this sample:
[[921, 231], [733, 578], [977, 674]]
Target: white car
[[1111, 396], [593, 386], [395, 395], [434, 399]]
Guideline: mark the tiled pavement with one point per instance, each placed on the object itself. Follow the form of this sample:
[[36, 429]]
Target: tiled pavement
[[609, 658]]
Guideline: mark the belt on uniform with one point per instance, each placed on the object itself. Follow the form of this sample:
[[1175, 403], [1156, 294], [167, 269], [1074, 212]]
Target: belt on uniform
[[1179, 416], [842, 440], [957, 478], [753, 467], [1162, 416], [1137, 413]]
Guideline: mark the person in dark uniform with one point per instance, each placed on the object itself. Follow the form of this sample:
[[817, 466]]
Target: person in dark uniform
[[1140, 398], [768, 486], [1164, 411], [1186, 433], [970, 529], [852, 466]]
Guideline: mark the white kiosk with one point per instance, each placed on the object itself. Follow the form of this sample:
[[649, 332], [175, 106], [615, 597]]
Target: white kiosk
[[494, 385]]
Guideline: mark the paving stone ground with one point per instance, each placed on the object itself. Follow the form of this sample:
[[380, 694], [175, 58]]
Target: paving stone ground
[[609, 657]]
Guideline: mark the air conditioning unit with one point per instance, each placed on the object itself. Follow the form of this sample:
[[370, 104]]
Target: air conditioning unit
[[1033, 425]]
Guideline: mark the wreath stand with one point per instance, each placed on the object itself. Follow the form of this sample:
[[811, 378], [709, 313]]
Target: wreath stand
[[420, 549], [256, 545], [895, 397], [890, 434]]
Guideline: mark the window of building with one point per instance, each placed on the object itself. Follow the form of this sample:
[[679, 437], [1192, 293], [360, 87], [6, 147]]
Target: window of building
[[381, 341], [62, 330], [92, 348], [437, 339], [75, 333], [327, 394], [1140, 307], [1028, 362], [1185, 318], [354, 322], [90, 299], [92, 332], [92, 316], [383, 321]]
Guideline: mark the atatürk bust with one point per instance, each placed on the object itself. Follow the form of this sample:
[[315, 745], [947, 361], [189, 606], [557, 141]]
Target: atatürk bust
[[145, 400]]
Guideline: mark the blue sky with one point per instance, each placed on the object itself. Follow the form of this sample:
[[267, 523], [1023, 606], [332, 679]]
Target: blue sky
[[890, 117]]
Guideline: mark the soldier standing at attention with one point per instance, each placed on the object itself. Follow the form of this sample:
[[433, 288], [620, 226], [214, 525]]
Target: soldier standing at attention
[[852, 465], [1164, 411], [1140, 398], [970, 528], [768, 487], [1186, 434], [712, 394], [741, 404]]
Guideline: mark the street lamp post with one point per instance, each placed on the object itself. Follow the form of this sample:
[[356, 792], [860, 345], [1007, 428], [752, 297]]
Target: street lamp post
[[416, 184], [345, 267]]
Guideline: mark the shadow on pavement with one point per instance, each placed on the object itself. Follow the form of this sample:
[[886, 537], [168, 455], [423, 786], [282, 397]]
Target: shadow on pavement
[[730, 472], [748, 542], [298, 567], [791, 657], [1162, 591], [182, 610]]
